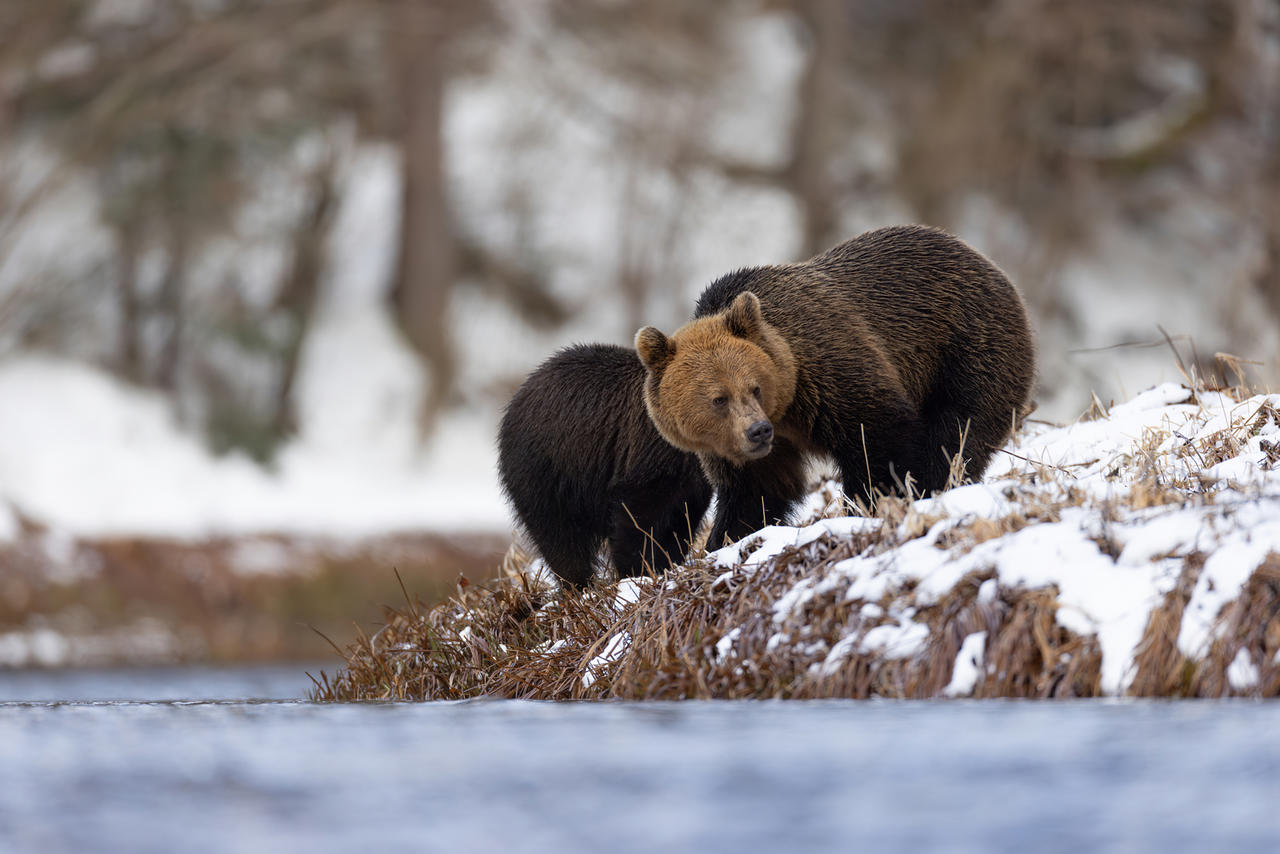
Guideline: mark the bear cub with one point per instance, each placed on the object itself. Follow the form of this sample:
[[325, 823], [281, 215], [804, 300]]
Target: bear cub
[[581, 463], [890, 354]]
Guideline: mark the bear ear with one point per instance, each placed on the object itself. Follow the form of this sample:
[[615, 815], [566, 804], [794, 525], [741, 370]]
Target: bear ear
[[743, 317], [655, 349]]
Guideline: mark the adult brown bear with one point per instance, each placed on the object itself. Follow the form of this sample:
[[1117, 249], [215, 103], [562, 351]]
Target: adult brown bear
[[581, 463], [889, 353]]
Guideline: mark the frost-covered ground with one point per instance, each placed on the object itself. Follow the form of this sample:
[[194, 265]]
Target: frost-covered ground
[[1076, 508], [1134, 552]]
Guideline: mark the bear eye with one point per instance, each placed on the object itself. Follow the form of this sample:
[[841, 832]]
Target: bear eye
[[721, 401], [755, 392]]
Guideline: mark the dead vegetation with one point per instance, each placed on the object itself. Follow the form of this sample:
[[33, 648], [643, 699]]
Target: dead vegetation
[[235, 599], [790, 626], [703, 633]]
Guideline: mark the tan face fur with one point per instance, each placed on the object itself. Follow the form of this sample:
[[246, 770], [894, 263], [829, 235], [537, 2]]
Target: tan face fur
[[714, 385]]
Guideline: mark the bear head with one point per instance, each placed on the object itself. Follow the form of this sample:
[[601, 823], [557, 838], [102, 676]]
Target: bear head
[[717, 385]]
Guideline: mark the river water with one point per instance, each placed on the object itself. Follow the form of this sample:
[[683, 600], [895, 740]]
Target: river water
[[145, 761]]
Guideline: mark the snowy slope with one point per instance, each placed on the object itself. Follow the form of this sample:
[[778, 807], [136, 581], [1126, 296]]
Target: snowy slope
[[1105, 511], [1133, 553]]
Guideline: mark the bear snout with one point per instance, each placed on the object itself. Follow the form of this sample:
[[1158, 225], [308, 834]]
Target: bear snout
[[760, 433]]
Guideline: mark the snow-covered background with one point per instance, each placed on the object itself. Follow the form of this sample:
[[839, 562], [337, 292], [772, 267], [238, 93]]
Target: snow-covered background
[[87, 454]]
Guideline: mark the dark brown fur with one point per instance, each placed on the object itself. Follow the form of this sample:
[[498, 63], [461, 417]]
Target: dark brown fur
[[582, 463], [883, 353]]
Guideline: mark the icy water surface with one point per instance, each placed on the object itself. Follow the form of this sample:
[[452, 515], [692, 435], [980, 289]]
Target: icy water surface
[[288, 775]]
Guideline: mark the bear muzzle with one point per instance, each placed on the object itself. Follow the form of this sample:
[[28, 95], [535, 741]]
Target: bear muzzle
[[759, 440]]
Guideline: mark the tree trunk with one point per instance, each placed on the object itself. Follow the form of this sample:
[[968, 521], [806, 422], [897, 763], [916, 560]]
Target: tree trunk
[[817, 117], [129, 329], [425, 266], [634, 274], [171, 303], [298, 297]]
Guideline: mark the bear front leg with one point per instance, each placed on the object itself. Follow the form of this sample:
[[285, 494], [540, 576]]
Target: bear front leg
[[877, 459], [661, 544], [653, 528], [675, 532], [760, 493]]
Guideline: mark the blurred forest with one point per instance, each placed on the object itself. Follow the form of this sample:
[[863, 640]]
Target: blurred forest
[[172, 172]]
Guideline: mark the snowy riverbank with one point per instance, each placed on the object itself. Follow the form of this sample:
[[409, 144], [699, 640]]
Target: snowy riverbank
[[1136, 552]]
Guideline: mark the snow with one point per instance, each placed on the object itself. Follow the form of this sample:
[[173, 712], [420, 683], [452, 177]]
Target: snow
[[769, 542], [42, 647], [967, 669], [724, 646], [1224, 575], [539, 576], [263, 558], [972, 500], [88, 456], [628, 592], [1110, 598], [91, 457], [900, 640], [1153, 398], [146, 641], [613, 650], [1242, 673]]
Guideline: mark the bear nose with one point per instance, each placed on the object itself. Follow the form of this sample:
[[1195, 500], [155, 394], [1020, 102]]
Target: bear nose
[[760, 432]]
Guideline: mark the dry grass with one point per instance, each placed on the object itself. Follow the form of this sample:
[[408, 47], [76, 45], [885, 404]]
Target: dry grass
[[509, 639], [151, 601], [780, 630]]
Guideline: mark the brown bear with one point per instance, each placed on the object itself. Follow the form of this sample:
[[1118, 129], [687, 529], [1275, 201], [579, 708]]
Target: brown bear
[[581, 463], [889, 353]]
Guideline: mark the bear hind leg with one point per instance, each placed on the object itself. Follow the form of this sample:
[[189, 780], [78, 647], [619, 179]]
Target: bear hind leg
[[632, 542]]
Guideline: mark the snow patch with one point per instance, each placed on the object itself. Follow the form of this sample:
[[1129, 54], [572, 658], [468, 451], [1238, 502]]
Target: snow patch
[[613, 650], [901, 640], [975, 499], [91, 457], [40, 647], [1242, 673], [724, 646], [1221, 581], [1152, 398], [968, 666], [628, 592]]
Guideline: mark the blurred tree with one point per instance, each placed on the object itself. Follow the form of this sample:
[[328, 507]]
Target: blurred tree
[[175, 108], [426, 267], [665, 59], [189, 114], [1055, 110], [297, 300]]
